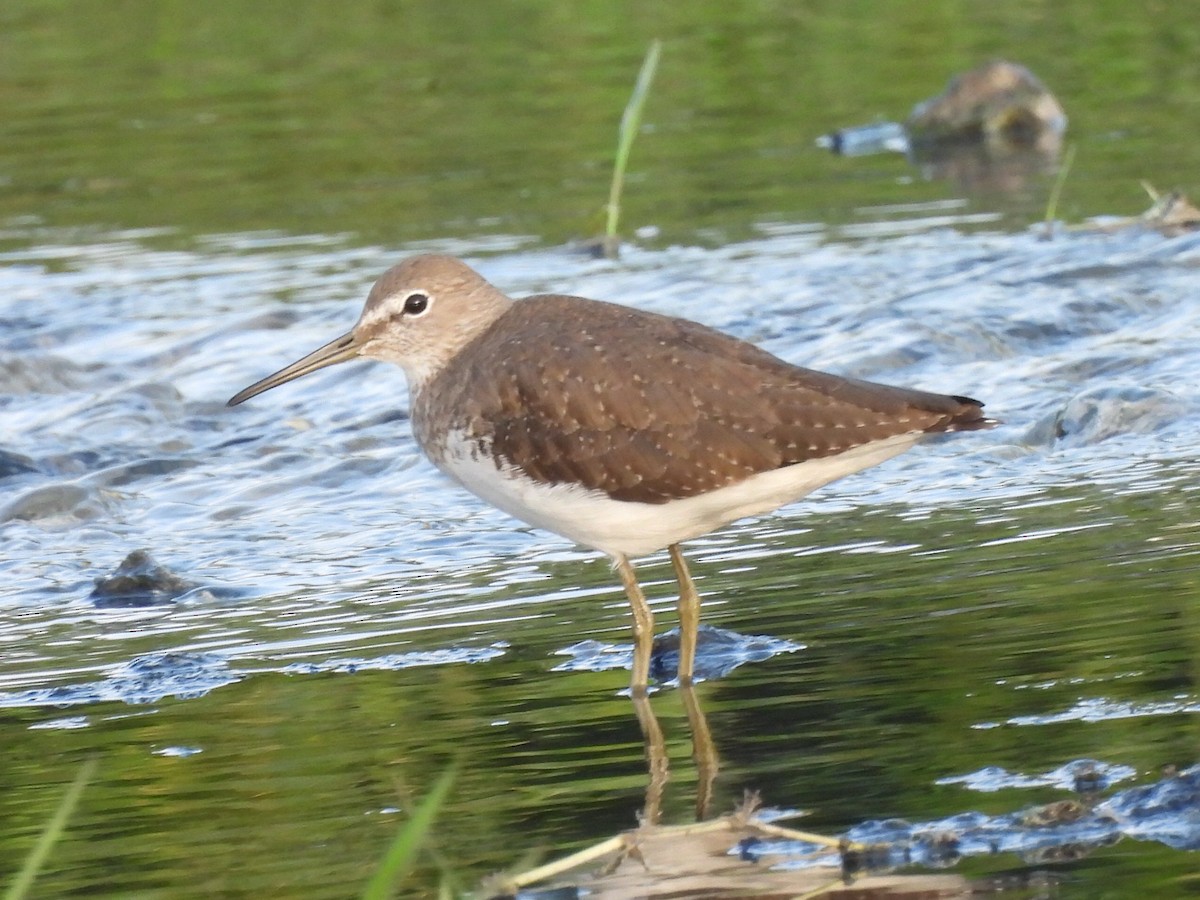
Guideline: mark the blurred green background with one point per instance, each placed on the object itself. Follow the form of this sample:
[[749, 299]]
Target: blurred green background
[[405, 121]]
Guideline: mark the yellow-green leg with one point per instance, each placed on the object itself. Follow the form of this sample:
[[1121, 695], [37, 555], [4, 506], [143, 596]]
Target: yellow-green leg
[[689, 616], [643, 626]]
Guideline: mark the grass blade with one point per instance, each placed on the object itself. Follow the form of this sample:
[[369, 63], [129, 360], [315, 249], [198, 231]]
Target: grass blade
[[50, 835], [630, 120], [400, 854], [1056, 190]]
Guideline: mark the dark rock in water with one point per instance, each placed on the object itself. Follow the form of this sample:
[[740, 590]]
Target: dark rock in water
[[992, 128], [999, 102], [602, 247], [138, 581], [718, 652], [990, 131]]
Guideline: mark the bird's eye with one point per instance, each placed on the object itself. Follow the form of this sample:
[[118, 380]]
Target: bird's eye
[[415, 304]]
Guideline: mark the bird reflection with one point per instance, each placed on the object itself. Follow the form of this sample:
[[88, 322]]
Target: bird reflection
[[704, 754], [718, 652]]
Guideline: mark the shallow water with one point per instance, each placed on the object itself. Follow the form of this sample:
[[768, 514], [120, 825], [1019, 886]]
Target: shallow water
[[1018, 599]]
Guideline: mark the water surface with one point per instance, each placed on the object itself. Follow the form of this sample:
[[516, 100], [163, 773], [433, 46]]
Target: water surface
[[192, 200]]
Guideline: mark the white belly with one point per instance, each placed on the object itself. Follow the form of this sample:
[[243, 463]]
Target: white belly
[[619, 527]]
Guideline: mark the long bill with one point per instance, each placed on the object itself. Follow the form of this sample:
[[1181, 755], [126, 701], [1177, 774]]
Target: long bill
[[336, 351]]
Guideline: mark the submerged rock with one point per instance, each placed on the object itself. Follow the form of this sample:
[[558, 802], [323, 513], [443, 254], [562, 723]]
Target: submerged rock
[[1103, 412], [53, 505], [718, 652], [139, 581]]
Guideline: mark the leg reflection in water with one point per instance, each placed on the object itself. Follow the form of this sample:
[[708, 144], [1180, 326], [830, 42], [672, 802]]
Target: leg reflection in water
[[704, 753]]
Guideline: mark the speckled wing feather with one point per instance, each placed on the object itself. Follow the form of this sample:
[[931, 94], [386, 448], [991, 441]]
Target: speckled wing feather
[[651, 408]]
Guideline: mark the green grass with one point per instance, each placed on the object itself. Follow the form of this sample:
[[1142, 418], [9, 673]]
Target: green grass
[[1056, 191], [50, 835], [630, 122], [393, 868], [397, 862]]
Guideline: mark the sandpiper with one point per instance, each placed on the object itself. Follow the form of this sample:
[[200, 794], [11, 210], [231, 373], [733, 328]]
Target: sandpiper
[[623, 430]]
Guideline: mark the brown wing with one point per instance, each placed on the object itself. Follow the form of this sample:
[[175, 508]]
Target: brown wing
[[651, 408]]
